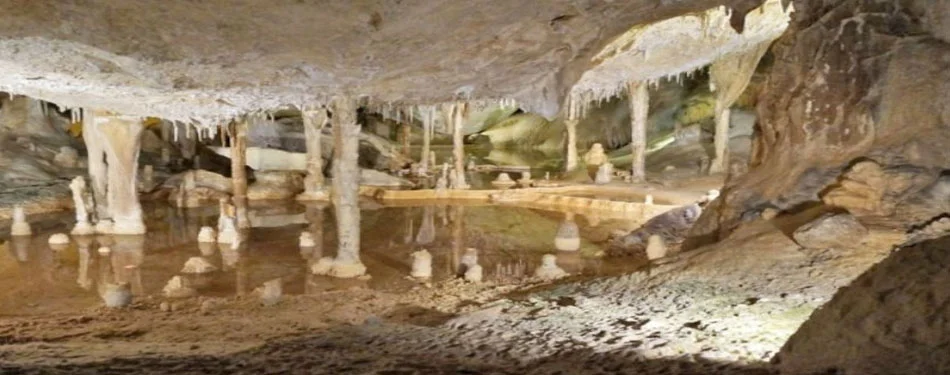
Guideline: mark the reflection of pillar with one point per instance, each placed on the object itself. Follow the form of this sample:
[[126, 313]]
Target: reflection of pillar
[[458, 237], [122, 141], [128, 253], [313, 123], [241, 275], [20, 246], [96, 158], [410, 225], [239, 173], [427, 228], [728, 78], [83, 244], [568, 234], [639, 110], [345, 192], [315, 217]]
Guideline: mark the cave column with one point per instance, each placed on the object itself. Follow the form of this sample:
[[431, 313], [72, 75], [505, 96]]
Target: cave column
[[96, 160], [239, 172], [458, 146], [570, 122], [639, 110], [345, 189], [121, 136], [313, 123], [428, 116], [728, 78]]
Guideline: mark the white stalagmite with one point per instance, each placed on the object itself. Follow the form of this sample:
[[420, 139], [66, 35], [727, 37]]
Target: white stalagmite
[[58, 239], [728, 78], [639, 109], [421, 264], [207, 235], [549, 270], [239, 173], [314, 184], [568, 236], [306, 240], [198, 265], [345, 191], [656, 247], [83, 225], [122, 141]]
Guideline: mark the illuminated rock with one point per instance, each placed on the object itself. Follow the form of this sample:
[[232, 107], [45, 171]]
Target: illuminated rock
[[421, 264]]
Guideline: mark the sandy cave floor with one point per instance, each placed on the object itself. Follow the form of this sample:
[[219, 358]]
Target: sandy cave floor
[[726, 308]]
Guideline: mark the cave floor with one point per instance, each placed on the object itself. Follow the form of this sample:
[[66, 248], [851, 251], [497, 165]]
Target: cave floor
[[717, 309]]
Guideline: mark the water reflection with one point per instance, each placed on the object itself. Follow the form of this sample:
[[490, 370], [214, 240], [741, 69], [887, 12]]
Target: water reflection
[[506, 242]]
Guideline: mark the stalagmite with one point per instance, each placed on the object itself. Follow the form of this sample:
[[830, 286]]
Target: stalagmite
[[648, 199], [239, 173], [457, 112], [20, 226], [96, 160], [121, 137], [474, 274], [594, 158], [568, 234], [503, 181], [639, 108], [314, 183], [421, 264], [605, 174], [345, 192], [83, 225], [207, 235], [570, 122], [728, 78], [549, 270]]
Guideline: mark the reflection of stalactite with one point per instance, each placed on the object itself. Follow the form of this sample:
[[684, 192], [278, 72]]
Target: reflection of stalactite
[[128, 253], [511, 272], [315, 215], [410, 226]]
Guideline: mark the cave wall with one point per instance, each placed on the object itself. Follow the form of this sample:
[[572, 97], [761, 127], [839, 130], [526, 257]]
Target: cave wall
[[851, 80]]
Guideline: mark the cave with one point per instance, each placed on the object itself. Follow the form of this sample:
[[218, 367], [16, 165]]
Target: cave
[[482, 187]]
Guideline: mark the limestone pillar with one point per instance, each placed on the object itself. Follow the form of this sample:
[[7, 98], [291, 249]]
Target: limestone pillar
[[457, 111], [345, 191], [571, 153], [313, 123], [728, 78], [121, 136], [239, 173], [96, 160], [428, 117], [639, 109]]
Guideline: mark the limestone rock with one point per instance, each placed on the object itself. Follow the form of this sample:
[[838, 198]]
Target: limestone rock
[[116, 295], [270, 292], [370, 177], [275, 185], [830, 231], [329, 266], [656, 247], [177, 287], [198, 265], [59, 239]]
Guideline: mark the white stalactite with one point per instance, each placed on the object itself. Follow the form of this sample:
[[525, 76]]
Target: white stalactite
[[639, 110]]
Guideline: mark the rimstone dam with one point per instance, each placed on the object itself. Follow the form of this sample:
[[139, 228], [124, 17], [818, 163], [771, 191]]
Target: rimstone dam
[[475, 187]]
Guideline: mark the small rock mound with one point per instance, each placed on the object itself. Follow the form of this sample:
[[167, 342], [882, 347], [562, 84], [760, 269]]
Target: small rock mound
[[830, 231]]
